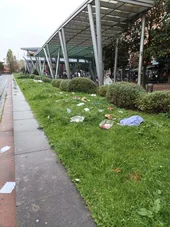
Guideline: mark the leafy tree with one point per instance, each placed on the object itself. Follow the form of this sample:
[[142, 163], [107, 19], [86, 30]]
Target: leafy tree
[[1, 67], [11, 61]]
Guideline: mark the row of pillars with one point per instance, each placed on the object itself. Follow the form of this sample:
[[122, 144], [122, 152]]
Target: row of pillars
[[97, 48]]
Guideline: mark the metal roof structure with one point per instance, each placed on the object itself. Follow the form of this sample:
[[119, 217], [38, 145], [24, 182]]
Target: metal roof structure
[[32, 49], [115, 15]]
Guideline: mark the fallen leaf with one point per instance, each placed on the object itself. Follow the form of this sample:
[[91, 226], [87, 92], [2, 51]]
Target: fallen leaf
[[135, 177], [117, 170], [110, 108]]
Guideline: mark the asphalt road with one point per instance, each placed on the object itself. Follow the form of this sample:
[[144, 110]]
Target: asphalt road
[[3, 86]]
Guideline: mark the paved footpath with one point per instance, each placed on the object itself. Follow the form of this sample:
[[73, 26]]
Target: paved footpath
[[45, 194]]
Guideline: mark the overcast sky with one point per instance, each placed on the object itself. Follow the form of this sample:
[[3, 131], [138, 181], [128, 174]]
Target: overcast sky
[[30, 23]]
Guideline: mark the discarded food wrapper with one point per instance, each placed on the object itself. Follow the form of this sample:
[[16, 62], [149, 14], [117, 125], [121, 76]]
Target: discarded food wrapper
[[108, 116], [86, 109], [93, 95], [48, 117], [106, 124], [77, 119], [4, 149], [76, 97], [101, 111], [38, 81], [120, 111], [77, 180], [81, 104], [110, 108], [84, 99], [132, 121], [68, 111]]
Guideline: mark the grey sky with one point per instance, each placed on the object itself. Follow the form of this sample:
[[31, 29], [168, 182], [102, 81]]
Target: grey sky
[[30, 23]]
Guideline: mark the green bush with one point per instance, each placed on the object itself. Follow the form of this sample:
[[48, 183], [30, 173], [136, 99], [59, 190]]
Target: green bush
[[102, 90], [64, 85], [82, 85], [37, 77], [124, 94], [32, 76], [46, 80], [23, 76], [155, 102], [56, 83]]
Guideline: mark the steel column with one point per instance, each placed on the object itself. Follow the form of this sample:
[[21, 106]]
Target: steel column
[[141, 50], [66, 53], [27, 66], [57, 64], [94, 41], [48, 61], [99, 42], [43, 67], [33, 66], [48, 53], [116, 56]]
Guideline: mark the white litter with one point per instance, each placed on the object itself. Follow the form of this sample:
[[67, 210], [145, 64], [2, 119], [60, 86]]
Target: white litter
[[4, 149], [8, 188], [86, 109], [93, 95], [120, 111], [81, 104], [68, 111], [77, 180], [48, 117], [37, 220], [61, 93], [77, 119], [101, 111], [38, 81]]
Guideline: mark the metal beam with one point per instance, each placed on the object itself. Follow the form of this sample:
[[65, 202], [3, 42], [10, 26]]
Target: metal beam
[[116, 56], [94, 41], [99, 42], [57, 64], [141, 50], [66, 53], [63, 50], [27, 66], [33, 66], [48, 51], [48, 61]]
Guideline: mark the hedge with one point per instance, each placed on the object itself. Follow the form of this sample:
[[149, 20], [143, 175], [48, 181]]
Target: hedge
[[102, 90], [46, 79], [155, 102], [124, 94], [81, 84], [64, 85], [56, 83]]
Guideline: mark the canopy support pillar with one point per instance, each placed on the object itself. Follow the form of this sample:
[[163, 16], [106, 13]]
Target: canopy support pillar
[[94, 41], [48, 62], [57, 64], [48, 53], [116, 56], [141, 50]]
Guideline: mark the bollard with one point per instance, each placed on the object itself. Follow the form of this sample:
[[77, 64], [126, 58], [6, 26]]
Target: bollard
[[149, 87]]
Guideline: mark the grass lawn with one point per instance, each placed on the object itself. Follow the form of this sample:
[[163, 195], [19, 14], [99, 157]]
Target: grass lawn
[[124, 172]]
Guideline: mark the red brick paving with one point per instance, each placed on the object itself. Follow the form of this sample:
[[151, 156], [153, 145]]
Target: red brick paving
[[161, 87], [7, 163]]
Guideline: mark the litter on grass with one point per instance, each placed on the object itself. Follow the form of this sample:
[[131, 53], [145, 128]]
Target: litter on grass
[[86, 109], [96, 103], [76, 97], [38, 81], [132, 121], [61, 93], [120, 111], [108, 116], [68, 111], [110, 108], [93, 95], [77, 180], [77, 119], [7, 188], [81, 104], [4, 149], [106, 124], [101, 111], [84, 99]]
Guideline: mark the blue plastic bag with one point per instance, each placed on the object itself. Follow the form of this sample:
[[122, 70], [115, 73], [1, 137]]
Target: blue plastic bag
[[132, 121]]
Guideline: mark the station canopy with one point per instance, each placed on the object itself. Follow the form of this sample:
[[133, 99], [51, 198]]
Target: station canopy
[[116, 16]]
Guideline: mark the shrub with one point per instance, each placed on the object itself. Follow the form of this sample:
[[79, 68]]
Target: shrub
[[56, 83], [32, 76], [64, 85], [102, 90], [155, 102], [23, 76], [46, 80], [124, 94], [37, 77], [82, 85]]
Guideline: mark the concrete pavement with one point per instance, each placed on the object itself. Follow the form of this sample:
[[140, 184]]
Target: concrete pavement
[[45, 194]]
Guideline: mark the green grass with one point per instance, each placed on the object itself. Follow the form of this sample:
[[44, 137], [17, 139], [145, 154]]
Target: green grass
[[121, 170]]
